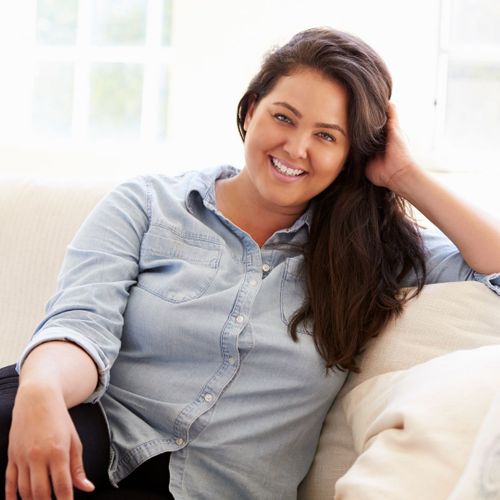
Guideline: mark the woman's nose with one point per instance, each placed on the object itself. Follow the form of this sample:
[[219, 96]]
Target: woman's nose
[[297, 145]]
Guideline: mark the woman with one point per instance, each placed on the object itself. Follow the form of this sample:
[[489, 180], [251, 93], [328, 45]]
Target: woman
[[214, 316]]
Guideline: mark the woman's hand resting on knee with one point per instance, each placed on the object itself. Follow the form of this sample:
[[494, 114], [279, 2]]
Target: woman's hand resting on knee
[[45, 452]]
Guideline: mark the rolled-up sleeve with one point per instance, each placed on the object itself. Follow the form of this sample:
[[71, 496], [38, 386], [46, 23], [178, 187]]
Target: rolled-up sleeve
[[444, 263], [100, 266]]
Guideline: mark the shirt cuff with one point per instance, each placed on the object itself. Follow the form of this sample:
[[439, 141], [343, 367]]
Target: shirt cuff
[[64, 334], [492, 281]]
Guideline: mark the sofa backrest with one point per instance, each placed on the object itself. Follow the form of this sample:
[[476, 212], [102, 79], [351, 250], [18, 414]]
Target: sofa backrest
[[37, 221]]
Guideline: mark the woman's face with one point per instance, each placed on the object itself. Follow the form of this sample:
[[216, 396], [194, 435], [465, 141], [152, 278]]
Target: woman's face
[[296, 139]]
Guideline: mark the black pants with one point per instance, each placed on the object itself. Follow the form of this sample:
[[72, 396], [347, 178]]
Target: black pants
[[149, 481]]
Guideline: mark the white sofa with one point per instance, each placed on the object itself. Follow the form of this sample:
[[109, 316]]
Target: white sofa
[[421, 420]]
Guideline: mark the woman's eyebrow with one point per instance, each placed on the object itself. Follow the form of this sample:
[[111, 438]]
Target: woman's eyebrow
[[333, 126], [295, 111], [298, 114]]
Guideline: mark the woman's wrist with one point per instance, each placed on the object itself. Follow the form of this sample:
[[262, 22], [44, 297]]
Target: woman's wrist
[[60, 368], [407, 181]]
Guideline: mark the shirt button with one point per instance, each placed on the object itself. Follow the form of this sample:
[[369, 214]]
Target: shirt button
[[253, 282], [231, 360], [179, 441], [266, 268], [240, 319], [208, 398]]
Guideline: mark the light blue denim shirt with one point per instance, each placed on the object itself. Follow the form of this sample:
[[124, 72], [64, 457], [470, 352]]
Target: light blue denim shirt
[[186, 319]]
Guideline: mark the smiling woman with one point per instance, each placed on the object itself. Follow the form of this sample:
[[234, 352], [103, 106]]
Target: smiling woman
[[214, 315], [290, 158], [348, 90]]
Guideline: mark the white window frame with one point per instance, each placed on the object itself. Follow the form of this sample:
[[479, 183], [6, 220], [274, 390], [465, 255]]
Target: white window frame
[[152, 56]]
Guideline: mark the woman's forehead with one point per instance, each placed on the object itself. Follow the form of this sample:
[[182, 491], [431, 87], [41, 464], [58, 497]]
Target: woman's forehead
[[308, 91]]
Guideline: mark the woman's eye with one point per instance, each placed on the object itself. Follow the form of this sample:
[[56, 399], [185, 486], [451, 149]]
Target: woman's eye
[[282, 118], [327, 137]]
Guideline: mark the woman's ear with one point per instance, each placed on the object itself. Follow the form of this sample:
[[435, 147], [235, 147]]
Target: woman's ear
[[249, 115]]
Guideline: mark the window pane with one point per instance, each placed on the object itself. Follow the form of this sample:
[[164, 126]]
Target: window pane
[[167, 22], [115, 100], [53, 99], [56, 22], [473, 106], [118, 23], [475, 21], [163, 103]]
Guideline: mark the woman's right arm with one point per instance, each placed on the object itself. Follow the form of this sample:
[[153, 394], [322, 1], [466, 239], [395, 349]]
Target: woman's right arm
[[44, 448], [69, 358]]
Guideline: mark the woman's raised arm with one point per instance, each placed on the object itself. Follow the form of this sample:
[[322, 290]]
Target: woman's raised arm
[[475, 234]]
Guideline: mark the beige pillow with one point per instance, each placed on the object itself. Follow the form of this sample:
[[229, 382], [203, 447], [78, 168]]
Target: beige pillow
[[445, 317], [414, 429]]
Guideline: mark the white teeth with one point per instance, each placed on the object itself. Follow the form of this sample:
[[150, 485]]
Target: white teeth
[[284, 169]]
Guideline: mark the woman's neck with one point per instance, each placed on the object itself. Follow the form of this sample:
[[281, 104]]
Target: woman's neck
[[245, 209]]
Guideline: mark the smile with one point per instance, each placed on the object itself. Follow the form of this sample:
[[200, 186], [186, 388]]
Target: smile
[[283, 169]]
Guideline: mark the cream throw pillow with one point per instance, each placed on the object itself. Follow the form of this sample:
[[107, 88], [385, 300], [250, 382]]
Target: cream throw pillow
[[481, 477], [445, 317], [414, 429]]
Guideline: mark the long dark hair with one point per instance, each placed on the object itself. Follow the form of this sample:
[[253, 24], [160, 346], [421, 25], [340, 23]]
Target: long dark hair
[[362, 239]]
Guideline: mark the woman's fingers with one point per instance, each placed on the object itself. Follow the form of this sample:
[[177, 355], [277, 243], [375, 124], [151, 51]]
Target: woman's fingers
[[61, 479], [23, 483], [36, 481], [392, 115], [39, 481], [11, 482], [79, 478]]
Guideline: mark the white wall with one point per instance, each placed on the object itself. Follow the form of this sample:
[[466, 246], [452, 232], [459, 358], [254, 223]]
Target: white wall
[[219, 46]]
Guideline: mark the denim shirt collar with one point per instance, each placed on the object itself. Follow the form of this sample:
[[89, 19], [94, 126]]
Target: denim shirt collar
[[202, 187]]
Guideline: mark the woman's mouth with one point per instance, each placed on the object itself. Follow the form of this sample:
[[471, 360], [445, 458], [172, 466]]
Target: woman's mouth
[[284, 170]]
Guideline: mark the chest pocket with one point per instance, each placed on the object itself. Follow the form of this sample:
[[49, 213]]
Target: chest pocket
[[292, 292], [177, 269]]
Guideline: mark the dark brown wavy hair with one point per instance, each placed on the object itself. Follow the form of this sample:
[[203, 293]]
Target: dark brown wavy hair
[[363, 240]]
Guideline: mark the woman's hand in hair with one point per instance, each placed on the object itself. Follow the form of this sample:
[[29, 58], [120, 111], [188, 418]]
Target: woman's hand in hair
[[475, 234], [385, 169]]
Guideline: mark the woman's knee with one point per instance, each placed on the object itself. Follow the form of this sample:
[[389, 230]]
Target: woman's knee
[[9, 382]]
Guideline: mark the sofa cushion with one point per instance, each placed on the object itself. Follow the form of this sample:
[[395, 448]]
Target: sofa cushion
[[445, 317], [413, 430]]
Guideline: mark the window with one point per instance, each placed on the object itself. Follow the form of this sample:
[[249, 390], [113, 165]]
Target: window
[[90, 87], [102, 70], [468, 103]]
